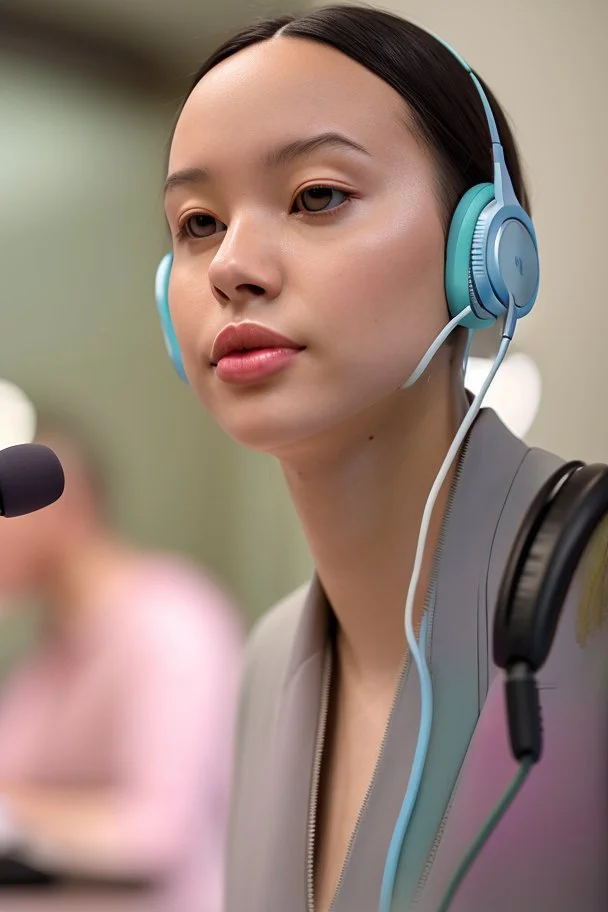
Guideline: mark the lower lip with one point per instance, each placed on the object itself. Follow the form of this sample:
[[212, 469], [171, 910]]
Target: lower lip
[[258, 364]]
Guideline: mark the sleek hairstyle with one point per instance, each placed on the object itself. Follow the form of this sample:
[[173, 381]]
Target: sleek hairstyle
[[444, 107]]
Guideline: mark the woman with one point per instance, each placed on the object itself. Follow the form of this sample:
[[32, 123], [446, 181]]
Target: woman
[[314, 173]]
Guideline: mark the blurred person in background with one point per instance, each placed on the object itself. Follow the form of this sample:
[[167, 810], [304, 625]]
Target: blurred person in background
[[116, 728]]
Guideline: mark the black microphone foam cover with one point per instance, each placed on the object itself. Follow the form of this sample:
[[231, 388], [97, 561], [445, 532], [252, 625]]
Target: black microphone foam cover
[[31, 477]]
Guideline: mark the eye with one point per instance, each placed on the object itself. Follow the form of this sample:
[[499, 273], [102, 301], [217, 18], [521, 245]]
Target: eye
[[321, 199], [200, 225]]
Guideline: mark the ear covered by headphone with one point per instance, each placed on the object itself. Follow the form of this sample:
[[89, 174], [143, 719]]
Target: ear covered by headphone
[[161, 288], [491, 254]]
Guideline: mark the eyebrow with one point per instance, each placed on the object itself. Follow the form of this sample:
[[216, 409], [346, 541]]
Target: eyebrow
[[276, 158]]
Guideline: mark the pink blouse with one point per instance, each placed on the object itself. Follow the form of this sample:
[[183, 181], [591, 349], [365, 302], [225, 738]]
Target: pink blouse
[[141, 703]]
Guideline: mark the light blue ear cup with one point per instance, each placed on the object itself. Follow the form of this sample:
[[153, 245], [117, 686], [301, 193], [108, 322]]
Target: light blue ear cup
[[161, 287], [504, 255], [458, 254], [491, 255]]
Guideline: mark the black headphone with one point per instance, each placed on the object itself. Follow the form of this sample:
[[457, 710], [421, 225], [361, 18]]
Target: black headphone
[[549, 545], [548, 548]]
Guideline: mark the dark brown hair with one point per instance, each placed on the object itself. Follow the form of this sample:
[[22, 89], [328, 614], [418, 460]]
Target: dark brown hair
[[444, 103]]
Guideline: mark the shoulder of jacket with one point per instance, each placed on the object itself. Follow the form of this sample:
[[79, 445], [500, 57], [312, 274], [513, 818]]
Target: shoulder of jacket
[[272, 635]]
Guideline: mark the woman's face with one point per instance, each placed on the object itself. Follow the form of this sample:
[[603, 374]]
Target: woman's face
[[299, 200]]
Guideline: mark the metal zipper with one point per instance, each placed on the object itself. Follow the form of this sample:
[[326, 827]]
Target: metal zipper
[[438, 837], [429, 605], [314, 795], [370, 787], [316, 775], [315, 792]]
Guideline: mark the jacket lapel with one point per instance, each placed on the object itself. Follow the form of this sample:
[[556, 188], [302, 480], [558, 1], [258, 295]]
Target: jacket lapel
[[294, 752]]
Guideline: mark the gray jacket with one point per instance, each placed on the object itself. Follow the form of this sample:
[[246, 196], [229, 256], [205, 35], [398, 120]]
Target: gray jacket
[[549, 853]]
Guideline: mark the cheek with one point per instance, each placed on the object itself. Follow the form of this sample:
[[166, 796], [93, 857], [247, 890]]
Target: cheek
[[382, 289], [186, 293], [193, 311], [196, 316]]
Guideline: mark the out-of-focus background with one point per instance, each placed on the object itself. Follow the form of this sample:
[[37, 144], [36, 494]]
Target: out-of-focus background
[[88, 92]]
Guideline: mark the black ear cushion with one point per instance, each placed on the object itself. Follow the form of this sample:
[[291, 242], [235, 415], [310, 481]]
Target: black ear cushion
[[543, 560], [517, 567], [523, 621]]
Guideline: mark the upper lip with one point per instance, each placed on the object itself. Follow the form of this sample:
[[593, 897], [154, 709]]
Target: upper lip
[[238, 337]]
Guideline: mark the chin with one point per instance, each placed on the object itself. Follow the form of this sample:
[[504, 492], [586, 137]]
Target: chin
[[261, 418], [299, 428], [265, 434], [270, 424], [279, 418]]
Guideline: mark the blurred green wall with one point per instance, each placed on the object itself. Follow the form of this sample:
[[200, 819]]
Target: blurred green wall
[[81, 232]]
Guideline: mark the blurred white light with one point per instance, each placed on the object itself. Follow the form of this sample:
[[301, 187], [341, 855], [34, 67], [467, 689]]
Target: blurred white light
[[515, 392], [17, 416]]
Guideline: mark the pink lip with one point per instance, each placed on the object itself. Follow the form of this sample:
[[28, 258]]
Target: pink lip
[[245, 352], [243, 337], [251, 366]]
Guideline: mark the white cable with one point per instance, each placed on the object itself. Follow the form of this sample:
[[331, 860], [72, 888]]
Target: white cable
[[436, 345], [426, 691], [439, 480], [467, 351]]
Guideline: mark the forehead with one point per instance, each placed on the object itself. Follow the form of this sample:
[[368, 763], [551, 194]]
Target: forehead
[[282, 87]]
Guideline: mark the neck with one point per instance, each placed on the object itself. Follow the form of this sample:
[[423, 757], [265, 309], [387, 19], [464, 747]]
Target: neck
[[360, 500]]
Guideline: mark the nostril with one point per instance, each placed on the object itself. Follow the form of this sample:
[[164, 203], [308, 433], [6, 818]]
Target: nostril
[[220, 294], [240, 294], [256, 290]]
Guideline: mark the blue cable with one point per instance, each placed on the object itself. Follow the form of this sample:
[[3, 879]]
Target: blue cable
[[426, 691], [409, 801]]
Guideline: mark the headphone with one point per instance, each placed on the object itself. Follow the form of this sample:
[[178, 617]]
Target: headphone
[[555, 532], [491, 253], [550, 543], [161, 289]]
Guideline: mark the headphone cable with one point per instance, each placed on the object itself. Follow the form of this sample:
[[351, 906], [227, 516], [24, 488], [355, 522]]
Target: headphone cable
[[485, 832], [525, 734]]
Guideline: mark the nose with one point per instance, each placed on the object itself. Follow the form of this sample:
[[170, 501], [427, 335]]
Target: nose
[[247, 265]]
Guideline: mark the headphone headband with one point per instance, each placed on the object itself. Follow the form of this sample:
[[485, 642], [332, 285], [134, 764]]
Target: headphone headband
[[503, 187], [494, 135]]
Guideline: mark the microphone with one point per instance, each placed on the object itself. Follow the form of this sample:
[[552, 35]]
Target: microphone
[[31, 477]]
